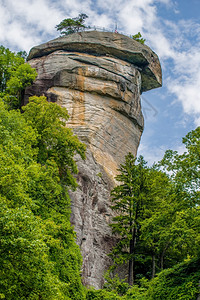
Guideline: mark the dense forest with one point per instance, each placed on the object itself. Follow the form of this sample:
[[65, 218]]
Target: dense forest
[[157, 208]]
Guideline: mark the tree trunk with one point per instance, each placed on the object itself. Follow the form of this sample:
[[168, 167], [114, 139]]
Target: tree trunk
[[131, 261], [130, 272], [132, 247], [198, 297], [153, 266], [162, 256], [162, 260], [21, 98]]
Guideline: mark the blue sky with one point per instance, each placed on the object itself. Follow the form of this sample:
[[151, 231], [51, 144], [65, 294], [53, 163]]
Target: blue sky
[[171, 28]]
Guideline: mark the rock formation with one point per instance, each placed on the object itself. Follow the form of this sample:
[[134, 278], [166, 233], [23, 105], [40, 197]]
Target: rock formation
[[98, 77]]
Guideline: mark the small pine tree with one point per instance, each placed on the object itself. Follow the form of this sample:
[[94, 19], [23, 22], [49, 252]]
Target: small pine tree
[[138, 37], [71, 25]]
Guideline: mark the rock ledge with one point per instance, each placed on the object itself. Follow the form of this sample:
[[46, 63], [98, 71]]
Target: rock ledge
[[112, 44]]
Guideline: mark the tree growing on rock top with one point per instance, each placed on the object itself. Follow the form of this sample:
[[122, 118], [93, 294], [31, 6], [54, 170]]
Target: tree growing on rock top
[[138, 37], [72, 25]]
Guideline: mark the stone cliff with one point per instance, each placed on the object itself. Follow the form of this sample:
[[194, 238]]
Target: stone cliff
[[98, 77]]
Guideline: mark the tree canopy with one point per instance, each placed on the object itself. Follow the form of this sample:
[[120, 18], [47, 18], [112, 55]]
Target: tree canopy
[[39, 258], [15, 76], [38, 255], [157, 213], [184, 169], [139, 201], [138, 37], [128, 200], [71, 25]]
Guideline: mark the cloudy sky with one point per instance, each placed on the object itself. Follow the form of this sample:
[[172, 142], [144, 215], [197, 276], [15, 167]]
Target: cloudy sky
[[171, 28]]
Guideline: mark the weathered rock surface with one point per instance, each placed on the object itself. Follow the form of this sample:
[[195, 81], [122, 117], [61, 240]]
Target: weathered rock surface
[[98, 77], [112, 44]]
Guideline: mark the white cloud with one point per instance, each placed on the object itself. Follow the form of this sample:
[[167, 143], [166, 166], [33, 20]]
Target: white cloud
[[183, 81], [24, 22], [156, 153], [151, 155], [188, 94]]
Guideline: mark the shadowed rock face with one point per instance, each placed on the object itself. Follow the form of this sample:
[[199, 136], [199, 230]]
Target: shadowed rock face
[[98, 77]]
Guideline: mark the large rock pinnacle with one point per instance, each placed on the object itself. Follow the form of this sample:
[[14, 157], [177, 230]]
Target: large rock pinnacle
[[98, 77]]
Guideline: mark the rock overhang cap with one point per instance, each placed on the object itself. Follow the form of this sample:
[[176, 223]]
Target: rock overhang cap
[[108, 43]]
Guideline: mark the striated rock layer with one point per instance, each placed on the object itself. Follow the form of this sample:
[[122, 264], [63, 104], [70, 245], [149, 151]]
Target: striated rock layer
[[98, 77]]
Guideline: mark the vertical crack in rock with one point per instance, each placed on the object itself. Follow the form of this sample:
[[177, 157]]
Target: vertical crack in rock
[[98, 77]]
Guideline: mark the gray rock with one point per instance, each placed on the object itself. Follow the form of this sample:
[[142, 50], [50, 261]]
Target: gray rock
[[112, 44], [98, 77]]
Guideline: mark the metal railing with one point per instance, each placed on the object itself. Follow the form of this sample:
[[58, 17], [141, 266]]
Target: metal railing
[[104, 29]]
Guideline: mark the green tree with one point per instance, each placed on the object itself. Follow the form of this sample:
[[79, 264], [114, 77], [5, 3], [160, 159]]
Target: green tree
[[153, 229], [22, 77], [128, 200], [56, 146], [172, 229], [9, 62], [184, 169], [55, 141], [168, 234], [15, 76], [71, 25], [180, 282], [138, 37], [157, 217], [39, 258], [23, 248], [25, 269]]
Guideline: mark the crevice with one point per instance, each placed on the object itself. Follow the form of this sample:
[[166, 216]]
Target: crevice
[[113, 97], [100, 67]]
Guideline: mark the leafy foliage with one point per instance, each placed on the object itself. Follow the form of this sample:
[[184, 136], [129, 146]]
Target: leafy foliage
[[115, 284], [55, 140], [9, 62], [128, 200], [138, 37], [185, 170], [101, 295], [158, 214], [38, 255], [141, 198], [180, 282], [26, 272], [15, 76], [68, 26]]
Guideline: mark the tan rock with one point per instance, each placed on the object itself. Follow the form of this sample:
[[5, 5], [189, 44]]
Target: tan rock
[[112, 44], [98, 77]]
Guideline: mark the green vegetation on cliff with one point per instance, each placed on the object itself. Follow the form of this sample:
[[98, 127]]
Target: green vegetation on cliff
[[39, 258], [178, 283], [158, 226], [71, 25], [158, 215], [138, 37], [38, 255], [143, 202], [15, 76]]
